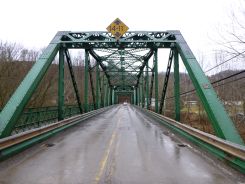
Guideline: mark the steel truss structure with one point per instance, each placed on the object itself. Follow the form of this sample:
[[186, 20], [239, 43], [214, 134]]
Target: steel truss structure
[[121, 68]]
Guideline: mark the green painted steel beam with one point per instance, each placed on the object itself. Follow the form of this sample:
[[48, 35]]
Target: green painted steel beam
[[221, 122], [156, 79], [124, 92], [146, 58], [13, 109], [147, 85], [138, 95], [97, 86], [152, 83], [74, 83], [92, 84], [86, 81], [142, 92], [61, 85], [98, 59], [113, 96], [176, 85], [105, 92], [165, 83], [131, 39], [129, 71], [101, 102], [109, 96], [135, 96], [103, 89]]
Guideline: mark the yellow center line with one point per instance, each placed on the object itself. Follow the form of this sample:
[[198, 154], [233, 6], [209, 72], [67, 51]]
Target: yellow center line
[[105, 158]]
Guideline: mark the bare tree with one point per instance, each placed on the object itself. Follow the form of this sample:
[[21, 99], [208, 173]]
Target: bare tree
[[9, 51]]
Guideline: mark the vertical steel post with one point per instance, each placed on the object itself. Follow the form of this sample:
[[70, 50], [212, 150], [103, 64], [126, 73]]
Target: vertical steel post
[[156, 80], [134, 96], [142, 92], [113, 96], [102, 90], [110, 96], [176, 85], [86, 81], [116, 98], [97, 86], [152, 84], [140, 98], [61, 85], [101, 94], [138, 95], [106, 95], [147, 85]]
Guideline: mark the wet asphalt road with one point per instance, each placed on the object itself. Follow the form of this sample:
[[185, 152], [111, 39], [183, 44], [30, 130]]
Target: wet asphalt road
[[119, 146]]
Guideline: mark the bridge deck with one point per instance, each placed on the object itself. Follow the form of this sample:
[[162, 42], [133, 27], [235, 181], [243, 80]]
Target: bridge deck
[[121, 145]]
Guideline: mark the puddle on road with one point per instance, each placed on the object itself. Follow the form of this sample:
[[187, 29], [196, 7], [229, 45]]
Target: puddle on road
[[182, 145], [49, 144]]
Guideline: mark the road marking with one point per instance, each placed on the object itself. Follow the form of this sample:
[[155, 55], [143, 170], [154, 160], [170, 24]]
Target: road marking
[[105, 158]]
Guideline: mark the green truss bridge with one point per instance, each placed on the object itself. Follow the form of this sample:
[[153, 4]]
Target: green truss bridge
[[105, 139]]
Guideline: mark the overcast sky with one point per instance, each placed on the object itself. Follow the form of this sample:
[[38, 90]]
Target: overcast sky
[[33, 23]]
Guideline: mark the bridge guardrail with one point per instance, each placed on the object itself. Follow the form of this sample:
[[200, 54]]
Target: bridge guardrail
[[17, 143], [36, 117], [232, 153]]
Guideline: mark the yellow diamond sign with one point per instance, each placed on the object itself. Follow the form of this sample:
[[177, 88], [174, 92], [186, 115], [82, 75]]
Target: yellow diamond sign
[[117, 28]]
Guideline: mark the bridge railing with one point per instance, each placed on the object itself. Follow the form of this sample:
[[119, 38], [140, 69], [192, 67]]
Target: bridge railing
[[36, 117]]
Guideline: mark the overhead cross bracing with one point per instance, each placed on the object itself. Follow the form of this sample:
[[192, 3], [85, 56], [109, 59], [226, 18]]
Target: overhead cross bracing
[[123, 61], [133, 39], [122, 65]]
